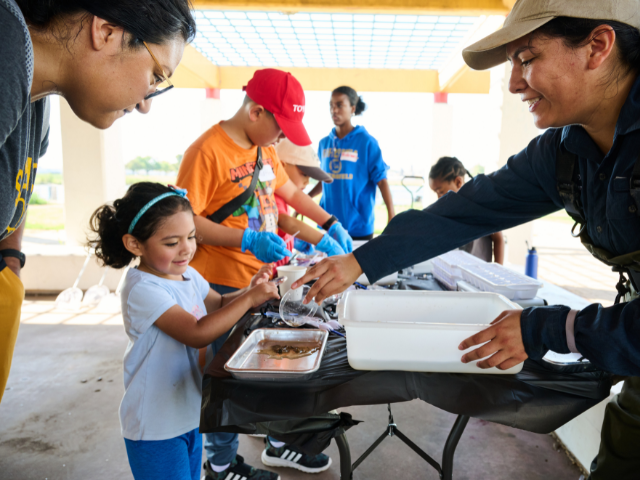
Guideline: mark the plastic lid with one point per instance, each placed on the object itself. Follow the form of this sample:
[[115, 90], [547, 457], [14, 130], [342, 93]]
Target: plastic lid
[[292, 311]]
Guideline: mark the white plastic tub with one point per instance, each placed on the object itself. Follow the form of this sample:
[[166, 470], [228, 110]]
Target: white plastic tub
[[416, 331], [493, 277]]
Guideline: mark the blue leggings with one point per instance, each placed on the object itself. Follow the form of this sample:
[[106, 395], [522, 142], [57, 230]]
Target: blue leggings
[[174, 459]]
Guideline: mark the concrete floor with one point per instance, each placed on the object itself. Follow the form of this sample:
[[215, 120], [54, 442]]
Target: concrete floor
[[58, 419]]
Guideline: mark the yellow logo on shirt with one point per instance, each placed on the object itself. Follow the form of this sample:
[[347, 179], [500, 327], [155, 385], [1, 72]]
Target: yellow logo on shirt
[[23, 180]]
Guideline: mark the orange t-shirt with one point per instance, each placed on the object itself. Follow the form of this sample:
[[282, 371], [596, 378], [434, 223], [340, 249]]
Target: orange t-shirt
[[214, 170]]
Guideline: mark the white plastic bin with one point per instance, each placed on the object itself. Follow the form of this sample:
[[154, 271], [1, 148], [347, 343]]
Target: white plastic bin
[[416, 331], [493, 277]]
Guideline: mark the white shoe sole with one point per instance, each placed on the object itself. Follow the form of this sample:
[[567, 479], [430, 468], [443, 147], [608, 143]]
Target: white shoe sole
[[278, 462]]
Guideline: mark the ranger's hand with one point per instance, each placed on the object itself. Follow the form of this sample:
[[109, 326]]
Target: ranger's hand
[[504, 348], [334, 275]]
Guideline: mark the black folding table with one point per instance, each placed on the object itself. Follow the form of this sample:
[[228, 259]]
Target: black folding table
[[539, 399]]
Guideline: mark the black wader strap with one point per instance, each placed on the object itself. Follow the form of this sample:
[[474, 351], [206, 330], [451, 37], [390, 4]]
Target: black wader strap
[[634, 185], [569, 185], [621, 286], [234, 204]]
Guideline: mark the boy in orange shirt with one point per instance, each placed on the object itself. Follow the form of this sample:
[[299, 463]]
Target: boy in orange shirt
[[217, 168]]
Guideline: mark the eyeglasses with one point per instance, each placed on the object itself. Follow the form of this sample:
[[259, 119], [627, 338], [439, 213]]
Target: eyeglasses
[[165, 79]]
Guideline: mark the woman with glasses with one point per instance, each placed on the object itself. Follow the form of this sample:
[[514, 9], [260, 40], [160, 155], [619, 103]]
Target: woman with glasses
[[107, 58]]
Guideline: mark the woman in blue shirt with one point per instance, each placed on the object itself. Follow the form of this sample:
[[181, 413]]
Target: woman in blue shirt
[[353, 159], [576, 65]]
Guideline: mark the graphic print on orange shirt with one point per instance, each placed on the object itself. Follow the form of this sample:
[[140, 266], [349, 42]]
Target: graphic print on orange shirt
[[260, 208]]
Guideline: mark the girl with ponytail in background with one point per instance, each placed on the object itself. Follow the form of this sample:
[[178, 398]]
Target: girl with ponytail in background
[[353, 159], [447, 175]]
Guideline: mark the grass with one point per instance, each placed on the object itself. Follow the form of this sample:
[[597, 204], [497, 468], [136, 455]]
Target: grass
[[560, 216], [48, 178], [45, 217]]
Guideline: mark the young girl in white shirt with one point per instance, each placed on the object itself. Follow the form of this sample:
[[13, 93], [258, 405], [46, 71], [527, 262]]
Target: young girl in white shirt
[[169, 312]]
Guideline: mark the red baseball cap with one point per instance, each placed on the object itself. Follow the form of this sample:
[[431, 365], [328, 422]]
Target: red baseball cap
[[281, 94]]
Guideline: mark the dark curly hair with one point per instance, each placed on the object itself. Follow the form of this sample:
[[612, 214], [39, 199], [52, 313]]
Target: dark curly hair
[[110, 223]]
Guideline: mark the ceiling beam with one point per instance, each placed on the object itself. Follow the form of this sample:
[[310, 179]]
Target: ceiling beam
[[416, 7], [195, 71], [326, 79], [455, 74]]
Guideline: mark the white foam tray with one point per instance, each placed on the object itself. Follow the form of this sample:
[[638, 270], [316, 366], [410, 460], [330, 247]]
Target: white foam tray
[[416, 331], [493, 277], [446, 267]]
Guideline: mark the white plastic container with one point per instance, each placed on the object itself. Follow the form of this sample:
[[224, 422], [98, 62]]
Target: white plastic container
[[446, 267], [493, 277], [416, 331]]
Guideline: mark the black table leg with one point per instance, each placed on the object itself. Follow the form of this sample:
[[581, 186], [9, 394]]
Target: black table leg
[[345, 457], [450, 447]]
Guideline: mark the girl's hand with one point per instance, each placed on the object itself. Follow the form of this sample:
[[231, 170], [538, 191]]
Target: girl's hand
[[261, 293], [503, 343], [263, 275]]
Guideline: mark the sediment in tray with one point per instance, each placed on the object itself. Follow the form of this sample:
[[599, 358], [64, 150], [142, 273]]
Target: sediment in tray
[[289, 350]]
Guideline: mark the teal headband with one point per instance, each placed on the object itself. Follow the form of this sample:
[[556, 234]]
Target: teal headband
[[180, 192]]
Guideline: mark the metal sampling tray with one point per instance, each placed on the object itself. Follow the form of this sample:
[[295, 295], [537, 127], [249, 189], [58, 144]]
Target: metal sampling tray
[[248, 364]]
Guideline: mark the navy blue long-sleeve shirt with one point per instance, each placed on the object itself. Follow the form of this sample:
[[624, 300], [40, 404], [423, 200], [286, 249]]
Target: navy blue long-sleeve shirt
[[523, 190]]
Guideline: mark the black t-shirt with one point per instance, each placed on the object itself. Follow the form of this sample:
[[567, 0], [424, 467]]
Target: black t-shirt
[[24, 126]]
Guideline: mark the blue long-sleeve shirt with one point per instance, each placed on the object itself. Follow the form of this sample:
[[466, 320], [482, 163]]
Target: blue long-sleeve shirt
[[523, 190]]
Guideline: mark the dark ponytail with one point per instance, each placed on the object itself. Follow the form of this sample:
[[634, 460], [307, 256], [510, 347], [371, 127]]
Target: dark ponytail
[[354, 98], [447, 169], [153, 21], [111, 222], [576, 32]]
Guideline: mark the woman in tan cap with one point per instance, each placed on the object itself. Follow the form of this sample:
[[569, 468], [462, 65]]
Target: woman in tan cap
[[576, 64]]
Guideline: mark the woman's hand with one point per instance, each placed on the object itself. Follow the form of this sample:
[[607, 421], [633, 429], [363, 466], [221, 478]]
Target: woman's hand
[[504, 348], [334, 275], [263, 275], [261, 293]]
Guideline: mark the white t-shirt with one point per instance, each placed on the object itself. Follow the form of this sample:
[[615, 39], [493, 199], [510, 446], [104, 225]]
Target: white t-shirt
[[162, 379]]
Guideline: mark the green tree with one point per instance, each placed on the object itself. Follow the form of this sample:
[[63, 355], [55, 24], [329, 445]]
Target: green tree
[[140, 164]]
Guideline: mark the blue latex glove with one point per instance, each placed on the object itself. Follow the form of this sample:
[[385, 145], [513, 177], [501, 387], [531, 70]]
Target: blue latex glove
[[339, 234], [329, 246], [266, 246], [302, 246]]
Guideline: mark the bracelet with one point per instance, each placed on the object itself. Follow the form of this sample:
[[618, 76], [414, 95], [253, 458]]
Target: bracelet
[[10, 252], [329, 222]]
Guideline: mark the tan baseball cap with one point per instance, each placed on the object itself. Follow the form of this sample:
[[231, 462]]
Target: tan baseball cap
[[304, 158], [528, 15]]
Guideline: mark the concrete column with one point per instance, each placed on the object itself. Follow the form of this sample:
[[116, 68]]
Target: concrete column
[[517, 130], [442, 138], [93, 171], [211, 109]]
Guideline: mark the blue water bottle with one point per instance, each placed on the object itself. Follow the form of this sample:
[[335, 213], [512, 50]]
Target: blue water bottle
[[531, 270]]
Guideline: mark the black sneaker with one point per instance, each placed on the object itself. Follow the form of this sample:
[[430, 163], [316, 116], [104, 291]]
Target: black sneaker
[[287, 456], [238, 470]]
